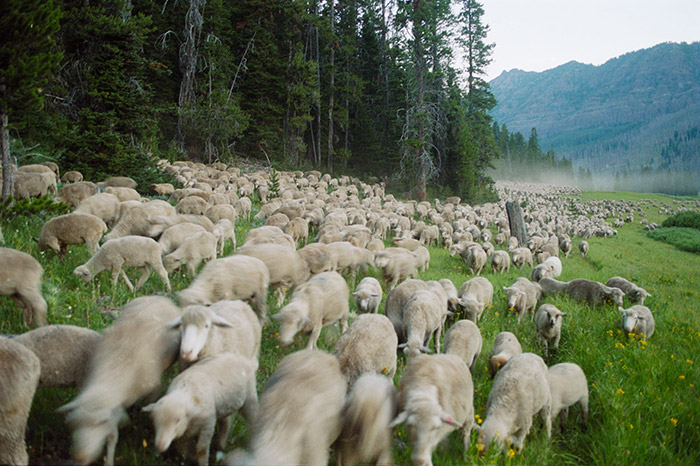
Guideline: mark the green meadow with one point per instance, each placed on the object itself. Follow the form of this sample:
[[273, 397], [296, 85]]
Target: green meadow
[[644, 395]]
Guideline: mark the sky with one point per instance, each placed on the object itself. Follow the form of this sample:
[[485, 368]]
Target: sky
[[537, 35]]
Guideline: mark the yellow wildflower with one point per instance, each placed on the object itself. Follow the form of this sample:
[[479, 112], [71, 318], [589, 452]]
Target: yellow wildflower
[[511, 453], [682, 377], [620, 391], [674, 421]]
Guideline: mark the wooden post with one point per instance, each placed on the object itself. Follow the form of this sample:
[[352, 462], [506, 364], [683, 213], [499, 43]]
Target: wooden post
[[516, 222]]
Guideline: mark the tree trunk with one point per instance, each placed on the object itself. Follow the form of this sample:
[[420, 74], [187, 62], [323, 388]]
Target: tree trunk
[[419, 56], [516, 222], [331, 97], [7, 174]]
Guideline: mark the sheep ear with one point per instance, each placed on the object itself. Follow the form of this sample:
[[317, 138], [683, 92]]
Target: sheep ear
[[562, 314], [354, 293], [402, 345], [175, 323], [149, 408], [220, 321], [621, 309], [276, 316], [68, 407], [400, 419], [447, 419], [375, 295]]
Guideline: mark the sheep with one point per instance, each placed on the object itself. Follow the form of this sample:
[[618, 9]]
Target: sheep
[[552, 286], [19, 371], [423, 317], [124, 193], [224, 230], [452, 295], [243, 206], [594, 293], [317, 257], [583, 247], [287, 268], [102, 205], [268, 234], [221, 211], [422, 257], [475, 258], [174, 236], [521, 256], [568, 386], [464, 340], [118, 182], [192, 205], [436, 396], [396, 300], [206, 394], [321, 301], [346, 256], [33, 184], [366, 437], [128, 251], [474, 295], [548, 324], [195, 249], [127, 365], [520, 390], [64, 352], [505, 346], [634, 292], [500, 261], [69, 229], [639, 320], [163, 189], [299, 414], [522, 296], [551, 268], [234, 277], [429, 235], [72, 177], [139, 220], [406, 243], [298, 228], [396, 265], [565, 246], [75, 192], [20, 278], [368, 295]]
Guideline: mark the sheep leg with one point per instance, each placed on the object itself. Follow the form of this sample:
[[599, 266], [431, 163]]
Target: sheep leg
[[115, 277], [112, 439], [224, 429], [279, 292], [249, 410], [547, 419], [127, 281], [145, 272], [203, 443], [343, 323], [163, 274], [313, 337], [564, 413], [436, 338], [467, 433]]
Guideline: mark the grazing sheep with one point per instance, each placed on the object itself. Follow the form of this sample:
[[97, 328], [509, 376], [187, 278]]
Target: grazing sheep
[[174, 236], [594, 293], [206, 394], [565, 245], [20, 278], [124, 193], [268, 234], [69, 229], [317, 257], [64, 352], [475, 258], [505, 346], [192, 205], [583, 247], [396, 264], [72, 177], [128, 251], [243, 206], [474, 295], [224, 230], [19, 373], [552, 286], [520, 390], [127, 365], [72, 194], [464, 340], [452, 295], [430, 234], [298, 228], [321, 301], [521, 256], [102, 205], [140, 220], [234, 277], [423, 317], [117, 182], [370, 407], [163, 189], [522, 296], [422, 256], [639, 320], [33, 184], [500, 261], [568, 386], [396, 300], [435, 397], [634, 292], [300, 413], [368, 346], [551, 268], [406, 243], [548, 324], [198, 248], [368, 295]]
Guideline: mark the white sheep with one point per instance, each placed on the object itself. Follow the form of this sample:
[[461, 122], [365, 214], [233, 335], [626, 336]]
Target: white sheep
[[634, 292], [397, 264], [102, 205], [583, 247], [521, 256], [594, 293], [299, 415], [639, 320], [436, 396], [33, 184], [124, 193], [118, 181], [72, 177], [548, 324], [234, 277], [475, 258], [298, 228], [174, 236], [423, 317], [20, 278], [474, 295], [347, 257], [452, 295], [551, 268], [522, 296], [128, 251], [396, 300], [505, 346], [500, 261], [422, 257], [464, 340], [59, 232], [317, 257], [520, 390], [321, 301], [75, 192], [369, 345], [19, 371], [370, 407], [140, 220], [568, 386], [368, 295], [208, 393], [198, 248], [224, 230], [127, 365], [219, 212], [192, 205]]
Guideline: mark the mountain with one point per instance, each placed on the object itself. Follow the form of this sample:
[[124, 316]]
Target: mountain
[[617, 116]]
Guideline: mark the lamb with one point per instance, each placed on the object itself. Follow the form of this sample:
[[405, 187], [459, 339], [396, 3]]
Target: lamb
[[521, 256], [464, 340], [594, 293], [299, 415], [475, 258], [505, 346], [321, 301], [224, 230], [583, 247], [368, 295], [69, 229], [19, 372], [568, 386], [139, 220], [130, 251], [195, 249], [500, 261], [423, 317], [474, 295], [370, 407], [396, 265], [20, 278], [64, 352], [639, 320], [234, 277], [75, 192], [522, 296], [206, 394], [520, 391], [551, 268], [317, 257], [346, 256], [548, 324], [435, 397], [637, 294], [174, 236], [127, 365], [102, 205]]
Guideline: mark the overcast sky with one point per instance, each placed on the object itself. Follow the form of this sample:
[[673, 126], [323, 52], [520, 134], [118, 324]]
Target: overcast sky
[[536, 35]]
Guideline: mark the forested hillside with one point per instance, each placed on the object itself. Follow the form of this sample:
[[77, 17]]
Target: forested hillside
[[391, 88]]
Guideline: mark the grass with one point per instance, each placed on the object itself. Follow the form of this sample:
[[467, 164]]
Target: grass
[[685, 239], [644, 396]]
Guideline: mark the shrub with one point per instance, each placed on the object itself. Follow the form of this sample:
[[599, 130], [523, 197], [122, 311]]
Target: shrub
[[683, 219], [685, 239]]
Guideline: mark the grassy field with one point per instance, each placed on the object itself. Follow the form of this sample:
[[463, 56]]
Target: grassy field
[[644, 396]]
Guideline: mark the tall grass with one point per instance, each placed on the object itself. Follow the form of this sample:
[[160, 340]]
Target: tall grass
[[644, 396]]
